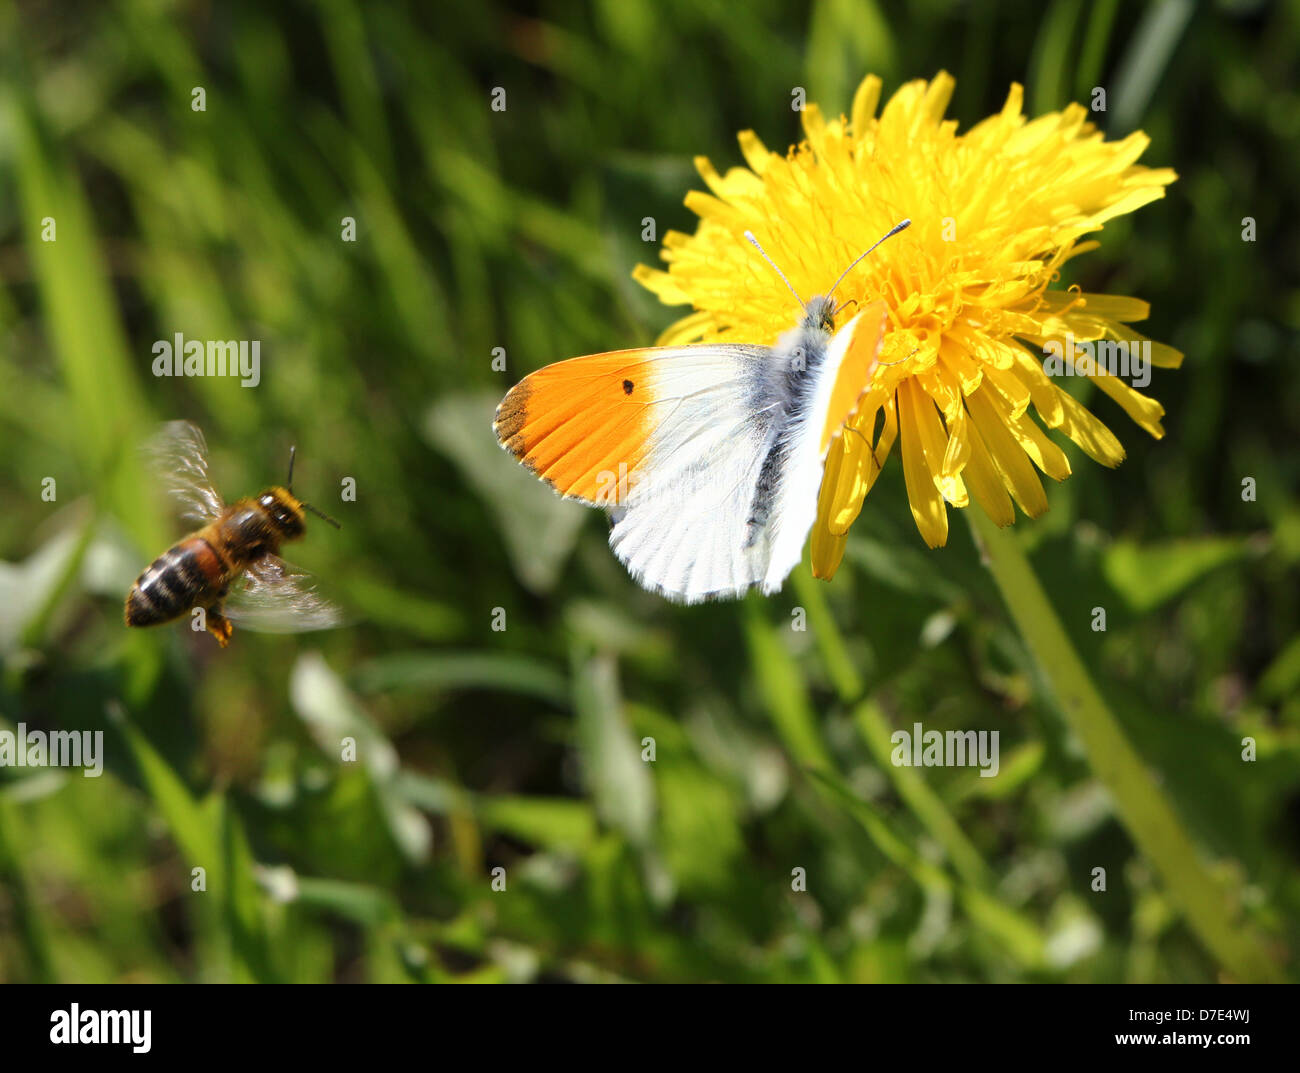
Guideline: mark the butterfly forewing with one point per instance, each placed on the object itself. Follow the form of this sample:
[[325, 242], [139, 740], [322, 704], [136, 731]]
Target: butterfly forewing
[[580, 422], [672, 440], [851, 361]]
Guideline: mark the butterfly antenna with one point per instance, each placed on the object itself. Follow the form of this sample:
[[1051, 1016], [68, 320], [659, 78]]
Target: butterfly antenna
[[900, 226], [289, 483], [750, 235], [320, 514]]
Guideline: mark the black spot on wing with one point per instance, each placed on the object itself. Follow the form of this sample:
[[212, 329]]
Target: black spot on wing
[[627, 387]]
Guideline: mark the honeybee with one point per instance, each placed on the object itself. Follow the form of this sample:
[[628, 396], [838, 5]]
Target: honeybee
[[230, 567]]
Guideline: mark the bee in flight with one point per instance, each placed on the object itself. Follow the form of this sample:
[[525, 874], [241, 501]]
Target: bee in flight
[[230, 567]]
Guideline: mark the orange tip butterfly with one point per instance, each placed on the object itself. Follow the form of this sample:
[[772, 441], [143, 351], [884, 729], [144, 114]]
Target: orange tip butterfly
[[708, 457]]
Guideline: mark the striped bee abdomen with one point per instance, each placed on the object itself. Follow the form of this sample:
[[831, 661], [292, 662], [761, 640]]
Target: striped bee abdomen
[[189, 574]]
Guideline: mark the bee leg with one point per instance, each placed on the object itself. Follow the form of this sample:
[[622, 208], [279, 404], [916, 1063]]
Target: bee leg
[[218, 625]]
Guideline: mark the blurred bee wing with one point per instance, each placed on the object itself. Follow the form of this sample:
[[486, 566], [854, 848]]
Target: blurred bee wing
[[278, 598], [178, 456]]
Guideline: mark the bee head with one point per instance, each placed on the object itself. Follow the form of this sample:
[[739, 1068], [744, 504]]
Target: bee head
[[285, 512], [296, 504]]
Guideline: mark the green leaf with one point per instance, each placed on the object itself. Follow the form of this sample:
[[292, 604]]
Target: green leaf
[[782, 689], [1211, 902], [80, 314], [1014, 932], [1143, 64], [331, 714], [1148, 575], [430, 672], [242, 902], [538, 527], [364, 905], [847, 40], [1053, 57], [545, 822], [613, 770]]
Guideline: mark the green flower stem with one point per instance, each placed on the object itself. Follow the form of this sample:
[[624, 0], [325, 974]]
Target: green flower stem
[[29, 925], [1211, 906], [973, 886], [915, 792]]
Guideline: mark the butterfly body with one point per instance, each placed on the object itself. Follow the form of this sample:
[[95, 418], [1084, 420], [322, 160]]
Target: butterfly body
[[786, 391]]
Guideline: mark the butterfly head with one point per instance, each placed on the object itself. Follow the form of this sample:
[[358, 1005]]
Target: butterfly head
[[819, 313]]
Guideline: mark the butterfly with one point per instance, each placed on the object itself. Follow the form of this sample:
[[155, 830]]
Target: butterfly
[[708, 456]]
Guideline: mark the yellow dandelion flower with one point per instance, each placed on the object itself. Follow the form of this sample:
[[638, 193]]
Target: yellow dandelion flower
[[995, 212]]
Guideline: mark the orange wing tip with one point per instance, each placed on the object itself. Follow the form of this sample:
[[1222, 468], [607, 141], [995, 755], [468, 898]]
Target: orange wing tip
[[580, 424], [511, 416]]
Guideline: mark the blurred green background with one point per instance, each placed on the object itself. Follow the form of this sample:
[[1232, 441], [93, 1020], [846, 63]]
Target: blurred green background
[[522, 748]]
